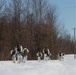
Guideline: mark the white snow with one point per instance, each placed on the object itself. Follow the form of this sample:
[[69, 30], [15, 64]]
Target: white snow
[[33, 67]]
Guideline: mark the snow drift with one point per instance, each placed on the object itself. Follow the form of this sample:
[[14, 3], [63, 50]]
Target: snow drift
[[51, 67]]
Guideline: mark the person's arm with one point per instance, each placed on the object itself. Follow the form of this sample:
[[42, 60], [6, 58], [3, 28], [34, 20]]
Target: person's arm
[[15, 50], [41, 54], [43, 50], [27, 50], [48, 51], [11, 51], [37, 54], [21, 48]]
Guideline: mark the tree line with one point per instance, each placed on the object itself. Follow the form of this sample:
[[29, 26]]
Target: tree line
[[35, 25]]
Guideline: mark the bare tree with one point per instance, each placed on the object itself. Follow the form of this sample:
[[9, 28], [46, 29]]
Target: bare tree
[[16, 9], [34, 24], [1, 29]]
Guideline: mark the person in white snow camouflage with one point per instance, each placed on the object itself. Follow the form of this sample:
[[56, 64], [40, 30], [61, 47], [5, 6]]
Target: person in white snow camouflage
[[47, 54]]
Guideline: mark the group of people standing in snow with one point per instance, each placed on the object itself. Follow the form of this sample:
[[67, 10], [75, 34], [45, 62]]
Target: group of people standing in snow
[[45, 53], [61, 55], [20, 54]]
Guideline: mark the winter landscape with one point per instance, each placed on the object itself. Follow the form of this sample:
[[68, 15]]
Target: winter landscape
[[37, 29], [33, 67]]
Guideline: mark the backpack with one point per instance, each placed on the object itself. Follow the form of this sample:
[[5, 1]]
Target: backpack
[[45, 51], [19, 48], [60, 54]]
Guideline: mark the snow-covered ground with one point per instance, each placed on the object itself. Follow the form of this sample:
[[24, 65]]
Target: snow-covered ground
[[51, 67]]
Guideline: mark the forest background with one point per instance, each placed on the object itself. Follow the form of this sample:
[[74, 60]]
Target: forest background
[[35, 24]]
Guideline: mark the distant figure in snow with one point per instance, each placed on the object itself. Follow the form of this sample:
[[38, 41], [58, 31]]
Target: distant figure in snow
[[47, 54], [39, 55], [19, 54], [61, 55], [19, 49]]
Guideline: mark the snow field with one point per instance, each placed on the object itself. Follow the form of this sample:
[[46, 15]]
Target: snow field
[[33, 67]]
